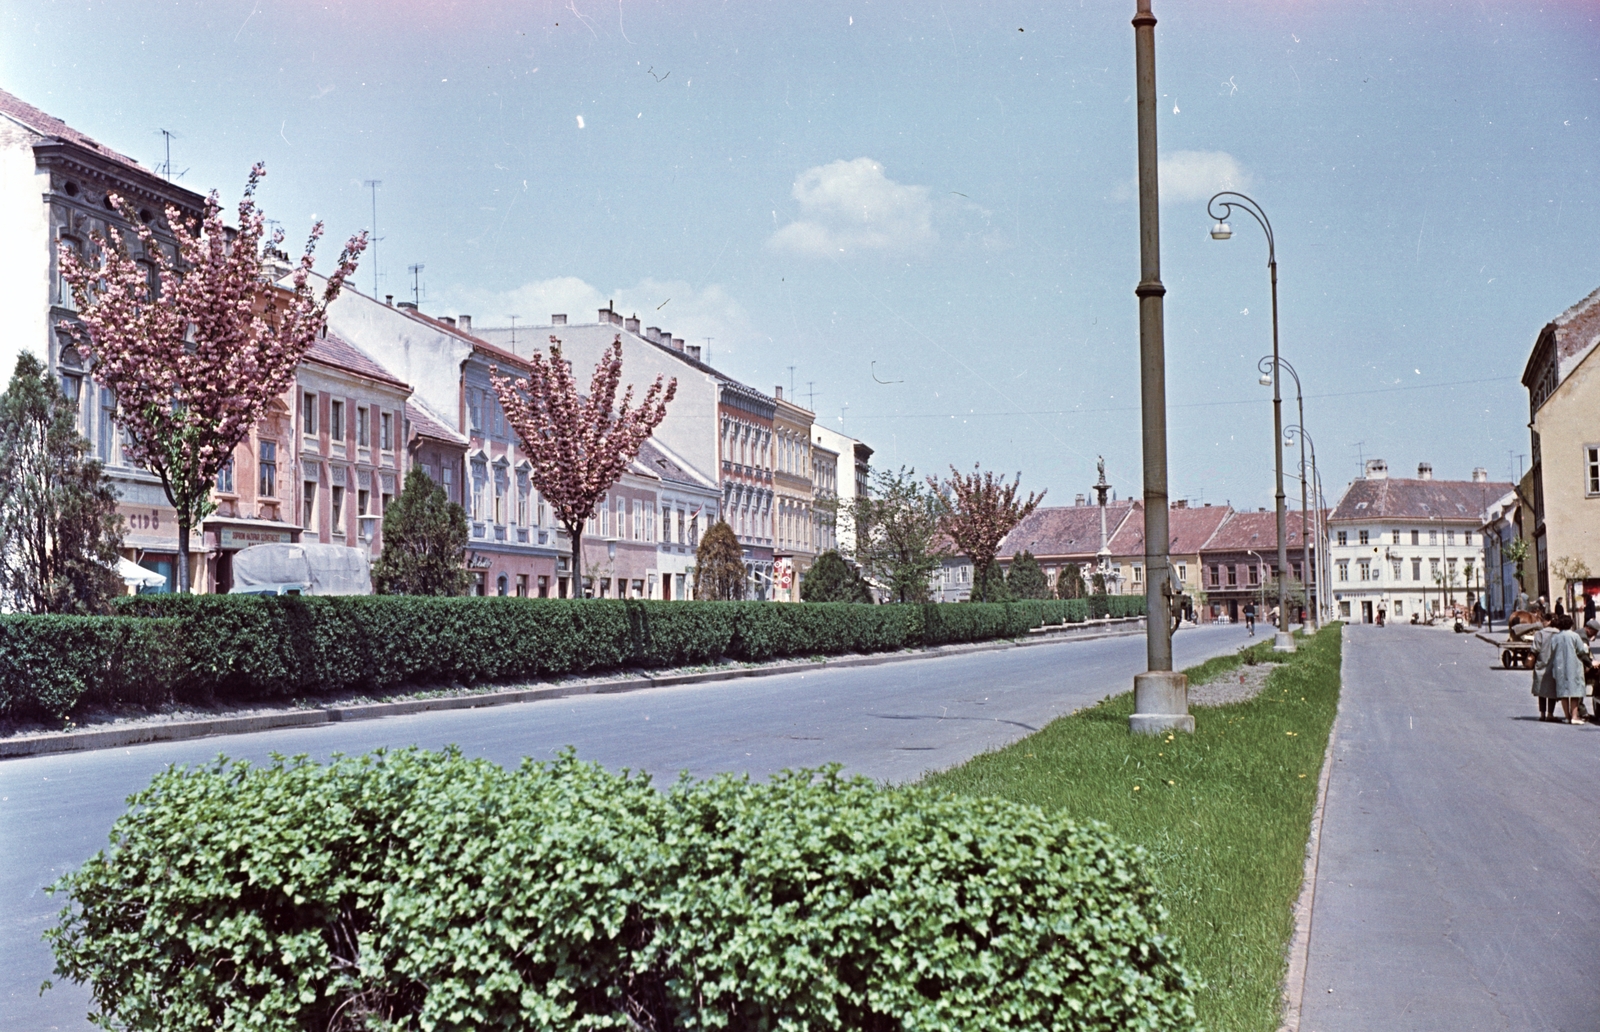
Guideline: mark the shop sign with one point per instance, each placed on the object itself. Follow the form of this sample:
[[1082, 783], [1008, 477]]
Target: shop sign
[[477, 561], [238, 537], [785, 574]]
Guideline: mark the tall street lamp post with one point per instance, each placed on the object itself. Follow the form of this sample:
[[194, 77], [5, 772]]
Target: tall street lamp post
[[1221, 207], [1298, 430], [1160, 695], [1315, 571]]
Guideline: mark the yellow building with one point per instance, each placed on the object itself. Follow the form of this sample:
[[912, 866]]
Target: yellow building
[[794, 522], [1563, 381]]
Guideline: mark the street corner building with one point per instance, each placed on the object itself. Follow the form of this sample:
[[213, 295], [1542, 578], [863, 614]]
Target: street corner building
[[1412, 546]]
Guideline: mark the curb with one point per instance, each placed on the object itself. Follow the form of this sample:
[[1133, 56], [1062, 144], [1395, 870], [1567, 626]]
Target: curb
[[1294, 984], [116, 738]]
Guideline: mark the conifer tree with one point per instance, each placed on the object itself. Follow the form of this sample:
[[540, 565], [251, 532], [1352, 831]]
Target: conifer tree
[[424, 536], [1069, 582], [831, 579], [59, 528], [989, 583], [719, 570], [1026, 580]]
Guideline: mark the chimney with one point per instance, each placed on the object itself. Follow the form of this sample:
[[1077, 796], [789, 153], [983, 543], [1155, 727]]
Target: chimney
[[464, 321], [1424, 471], [632, 324], [653, 334], [616, 317], [694, 350], [1480, 475], [1182, 503], [559, 319], [1377, 469], [447, 320], [677, 345], [409, 304], [1077, 499], [389, 300], [777, 392], [605, 316]]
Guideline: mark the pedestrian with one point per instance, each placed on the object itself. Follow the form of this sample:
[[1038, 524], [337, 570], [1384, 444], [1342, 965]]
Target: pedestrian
[[1383, 613], [1588, 607], [1560, 609], [1521, 603], [1591, 630], [1566, 657], [1250, 618], [1544, 686]]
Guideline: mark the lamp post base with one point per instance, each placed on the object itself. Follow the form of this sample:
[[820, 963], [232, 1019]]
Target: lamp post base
[[1284, 642], [1160, 703]]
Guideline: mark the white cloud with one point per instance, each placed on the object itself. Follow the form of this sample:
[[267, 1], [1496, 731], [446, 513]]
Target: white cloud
[[674, 305], [1193, 176], [851, 206]]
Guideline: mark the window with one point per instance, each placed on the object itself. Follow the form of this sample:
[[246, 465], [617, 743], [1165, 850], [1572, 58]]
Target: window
[[544, 587], [1399, 608], [337, 511], [388, 500], [225, 478], [681, 537], [268, 467], [1183, 572], [1344, 538], [1433, 537], [522, 585], [1216, 576], [1414, 540], [1396, 564], [1361, 536], [308, 414], [1233, 576], [1344, 609], [386, 431], [1449, 537], [1416, 568], [1365, 571], [1591, 469], [1467, 538], [1344, 569], [1138, 574], [474, 411], [638, 521], [336, 420], [1433, 569], [363, 500], [108, 407], [522, 505], [310, 505], [666, 524], [1450, 570], [363, 428], [499, 504], [1397, 537], [621, 526], [501, 585], [1255, 573]]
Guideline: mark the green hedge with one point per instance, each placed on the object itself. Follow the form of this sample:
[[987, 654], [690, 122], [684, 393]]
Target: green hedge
[[208, 647], [425, 890]]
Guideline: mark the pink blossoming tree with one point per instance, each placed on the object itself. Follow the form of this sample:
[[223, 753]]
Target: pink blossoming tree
[[979, 510], [579, 446], [194, 347]]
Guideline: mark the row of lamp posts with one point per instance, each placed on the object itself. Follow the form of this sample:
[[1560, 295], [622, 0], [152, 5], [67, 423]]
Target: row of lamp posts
[[1161, 702]]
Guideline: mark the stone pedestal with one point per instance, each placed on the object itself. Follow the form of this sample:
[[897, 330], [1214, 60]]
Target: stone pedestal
[[1283, 642], [1160, 703]]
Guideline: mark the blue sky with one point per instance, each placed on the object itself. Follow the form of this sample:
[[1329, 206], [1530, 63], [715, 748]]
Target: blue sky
[[926, 209]]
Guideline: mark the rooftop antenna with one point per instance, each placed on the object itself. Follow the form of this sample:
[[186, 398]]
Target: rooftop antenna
[[708, 351], [1361, 456], [811, 395], [513, 319], [373, 184], [416, 283], [792, 395], [165, 168]]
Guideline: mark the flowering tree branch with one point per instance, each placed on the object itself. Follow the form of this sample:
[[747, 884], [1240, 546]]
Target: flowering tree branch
[[978, 511], [195, 345], [579, 446]]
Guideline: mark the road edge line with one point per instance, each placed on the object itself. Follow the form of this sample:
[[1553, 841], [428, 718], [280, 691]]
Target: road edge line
[[183, 730], [1294, 986]]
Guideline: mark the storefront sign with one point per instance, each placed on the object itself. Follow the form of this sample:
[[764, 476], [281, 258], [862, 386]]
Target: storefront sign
[[476, 561], [238, 537]]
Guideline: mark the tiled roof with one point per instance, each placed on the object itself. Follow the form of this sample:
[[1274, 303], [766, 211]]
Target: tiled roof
[[19, 110], [491, 350], [333, 350], [425, 424], [1063, 530], [1188, 530], [1254, 531], [1396, 499], [655, 457]]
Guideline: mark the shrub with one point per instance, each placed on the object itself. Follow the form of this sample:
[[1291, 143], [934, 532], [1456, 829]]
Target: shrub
[[831, 579], [416, 889], [51, 664], [719, 570], [1026, 580]]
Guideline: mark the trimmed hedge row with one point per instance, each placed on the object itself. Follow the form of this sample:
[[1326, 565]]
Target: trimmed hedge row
[[424, 890], [205, 647]]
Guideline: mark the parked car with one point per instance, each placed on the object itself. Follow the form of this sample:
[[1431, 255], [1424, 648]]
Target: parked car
[[309, 569]]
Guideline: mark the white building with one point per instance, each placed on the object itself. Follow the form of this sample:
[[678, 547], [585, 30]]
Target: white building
[[849, 480], [1412, 546]]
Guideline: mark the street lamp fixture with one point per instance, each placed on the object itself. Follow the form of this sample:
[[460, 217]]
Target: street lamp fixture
[[1221, 231], [1220, 207]]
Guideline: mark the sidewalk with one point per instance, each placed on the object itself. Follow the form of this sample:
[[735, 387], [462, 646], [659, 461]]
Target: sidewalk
[[1457, 887]]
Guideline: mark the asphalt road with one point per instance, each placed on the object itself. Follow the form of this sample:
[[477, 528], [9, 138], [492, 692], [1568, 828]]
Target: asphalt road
[[1457, 884], [892, 722]]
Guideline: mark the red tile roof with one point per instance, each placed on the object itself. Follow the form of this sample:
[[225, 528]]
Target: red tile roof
[[1254, 531], [339, 353], [19, 110], [1063, 530], [1392, 498], [424, 424], [1188, 530]]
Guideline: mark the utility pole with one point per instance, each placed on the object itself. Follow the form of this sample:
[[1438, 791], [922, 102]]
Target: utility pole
[[1161, 695], [416, 284], [708, 351], [373, 184]]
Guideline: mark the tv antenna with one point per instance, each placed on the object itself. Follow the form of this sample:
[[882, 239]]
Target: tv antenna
[[165, 168], [373, 184], [708, 351], [792, 395], [416, 283], [513, 319], [811, 395]]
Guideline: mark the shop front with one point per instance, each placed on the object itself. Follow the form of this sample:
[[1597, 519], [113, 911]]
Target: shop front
[[225, 536], [150, 539]]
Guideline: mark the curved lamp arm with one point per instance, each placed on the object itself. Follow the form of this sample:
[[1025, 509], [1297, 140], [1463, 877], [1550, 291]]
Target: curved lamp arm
[[1221, 207]]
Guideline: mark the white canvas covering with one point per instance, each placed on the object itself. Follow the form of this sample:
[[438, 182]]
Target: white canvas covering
[[136, 575], [323, 569]]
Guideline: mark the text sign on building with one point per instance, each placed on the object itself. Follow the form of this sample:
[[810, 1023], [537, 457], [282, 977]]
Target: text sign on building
[[234, 537]]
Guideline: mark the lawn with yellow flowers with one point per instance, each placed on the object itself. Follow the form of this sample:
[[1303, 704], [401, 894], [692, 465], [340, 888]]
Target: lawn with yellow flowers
[[1222, 814]]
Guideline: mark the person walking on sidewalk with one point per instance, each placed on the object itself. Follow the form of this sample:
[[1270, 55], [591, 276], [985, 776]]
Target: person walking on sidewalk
[[1250, 618], [1565, 656], [1544, 686]]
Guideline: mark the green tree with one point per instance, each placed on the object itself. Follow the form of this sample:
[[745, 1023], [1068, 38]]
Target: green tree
[[1069, 582], [831, 579], [989, 584], [424, 536], [1099, 584], [719, 570], [896, 535], [1026, 580], [59, 528]]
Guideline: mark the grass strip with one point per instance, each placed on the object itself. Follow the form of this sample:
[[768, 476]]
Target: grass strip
[[1222, 814]]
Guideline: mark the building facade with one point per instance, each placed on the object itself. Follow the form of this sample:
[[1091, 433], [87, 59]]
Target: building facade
[[1239, 564], [1414, 547], [794, 497], [1562, 377]]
